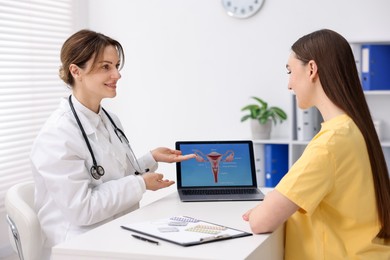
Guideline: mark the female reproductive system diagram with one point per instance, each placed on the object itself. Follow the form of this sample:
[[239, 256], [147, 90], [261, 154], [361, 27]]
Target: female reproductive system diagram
[[214, 159]]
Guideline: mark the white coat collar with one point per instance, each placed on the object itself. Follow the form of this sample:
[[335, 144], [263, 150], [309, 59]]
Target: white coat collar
[[88, 118], [90, 121]]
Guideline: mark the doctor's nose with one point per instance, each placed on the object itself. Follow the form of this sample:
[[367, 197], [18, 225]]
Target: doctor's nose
[[116, 74]]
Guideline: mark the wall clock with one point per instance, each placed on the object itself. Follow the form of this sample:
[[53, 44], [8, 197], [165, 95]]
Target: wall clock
[[242, 8]]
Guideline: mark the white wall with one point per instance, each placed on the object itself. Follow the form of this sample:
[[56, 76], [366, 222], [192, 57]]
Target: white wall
[[190, 68]]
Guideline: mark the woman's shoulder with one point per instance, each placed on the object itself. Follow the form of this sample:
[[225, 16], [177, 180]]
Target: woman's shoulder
[[59, 119], [58, 124], [340, 139]]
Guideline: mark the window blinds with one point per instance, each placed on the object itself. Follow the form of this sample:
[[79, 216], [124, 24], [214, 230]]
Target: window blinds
[[31, 35]]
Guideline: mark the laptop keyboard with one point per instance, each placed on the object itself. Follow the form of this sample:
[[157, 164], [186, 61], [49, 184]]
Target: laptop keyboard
[[220, 192]]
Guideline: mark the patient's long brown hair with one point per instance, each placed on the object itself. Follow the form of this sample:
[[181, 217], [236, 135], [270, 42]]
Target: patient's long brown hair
[[340, 81]]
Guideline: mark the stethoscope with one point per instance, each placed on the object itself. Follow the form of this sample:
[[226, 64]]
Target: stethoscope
[[97, 171]]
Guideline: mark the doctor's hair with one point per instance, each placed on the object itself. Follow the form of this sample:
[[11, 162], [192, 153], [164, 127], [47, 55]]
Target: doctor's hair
[[82, 46], [340, 80]]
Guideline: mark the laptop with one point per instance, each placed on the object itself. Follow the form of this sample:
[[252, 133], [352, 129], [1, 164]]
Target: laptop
[[221, 171]]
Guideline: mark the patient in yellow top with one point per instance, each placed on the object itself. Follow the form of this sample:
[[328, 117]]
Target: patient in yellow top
[[336, 197]]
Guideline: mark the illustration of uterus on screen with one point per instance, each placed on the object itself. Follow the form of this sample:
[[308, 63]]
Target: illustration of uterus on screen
[[215, 159]]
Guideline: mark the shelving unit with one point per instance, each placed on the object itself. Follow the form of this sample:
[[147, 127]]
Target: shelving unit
[[378, 102]]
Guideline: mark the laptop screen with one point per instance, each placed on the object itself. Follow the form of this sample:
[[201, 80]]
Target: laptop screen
[[218, 164]]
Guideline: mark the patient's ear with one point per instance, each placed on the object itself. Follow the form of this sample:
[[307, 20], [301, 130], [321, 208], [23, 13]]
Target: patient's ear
[[313, 69]]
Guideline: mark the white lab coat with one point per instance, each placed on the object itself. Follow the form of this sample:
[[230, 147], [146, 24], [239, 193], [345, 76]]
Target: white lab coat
[[69, 201]]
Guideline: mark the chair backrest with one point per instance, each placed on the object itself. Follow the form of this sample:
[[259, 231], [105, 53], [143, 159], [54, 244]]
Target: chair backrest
[[19, 205]]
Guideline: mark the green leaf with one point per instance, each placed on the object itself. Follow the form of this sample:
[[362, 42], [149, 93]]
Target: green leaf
[[244, 118], [263, 113]]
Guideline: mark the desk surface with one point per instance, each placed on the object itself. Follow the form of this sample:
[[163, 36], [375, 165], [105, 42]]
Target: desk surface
[[109, 241]]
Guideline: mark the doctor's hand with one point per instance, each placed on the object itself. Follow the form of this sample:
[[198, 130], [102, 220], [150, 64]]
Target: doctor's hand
[[163, 154], [154, 181]]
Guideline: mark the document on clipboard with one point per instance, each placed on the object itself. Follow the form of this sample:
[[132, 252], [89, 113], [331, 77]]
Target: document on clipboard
[[185, 231]]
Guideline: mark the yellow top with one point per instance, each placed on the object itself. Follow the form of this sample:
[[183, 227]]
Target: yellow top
[[333, 186]]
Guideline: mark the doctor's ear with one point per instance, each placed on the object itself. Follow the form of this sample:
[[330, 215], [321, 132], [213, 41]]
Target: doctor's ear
[[75, 71]]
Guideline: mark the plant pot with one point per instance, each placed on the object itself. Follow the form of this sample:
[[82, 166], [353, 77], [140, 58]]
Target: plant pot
[[261, 131]]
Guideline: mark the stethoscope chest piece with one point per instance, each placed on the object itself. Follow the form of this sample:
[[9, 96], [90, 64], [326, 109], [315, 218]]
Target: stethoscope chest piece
[[97, 172]]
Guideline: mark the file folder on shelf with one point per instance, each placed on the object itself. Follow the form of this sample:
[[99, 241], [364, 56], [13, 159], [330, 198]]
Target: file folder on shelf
[[276, 163], [375, 67], [259, 164], [308, 123]]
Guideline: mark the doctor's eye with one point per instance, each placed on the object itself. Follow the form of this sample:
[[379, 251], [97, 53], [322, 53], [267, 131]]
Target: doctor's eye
[[106, 67], [288, 72]]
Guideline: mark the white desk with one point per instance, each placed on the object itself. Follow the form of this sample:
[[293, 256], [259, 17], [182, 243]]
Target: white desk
[[109, 241]]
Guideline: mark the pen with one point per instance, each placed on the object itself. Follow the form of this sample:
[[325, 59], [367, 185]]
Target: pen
[[145, 239]]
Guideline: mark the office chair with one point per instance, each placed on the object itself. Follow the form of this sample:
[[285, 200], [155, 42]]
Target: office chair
[[25, 230]]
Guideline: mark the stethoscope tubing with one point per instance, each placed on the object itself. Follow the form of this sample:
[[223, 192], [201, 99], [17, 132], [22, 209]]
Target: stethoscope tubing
[[97, 171]]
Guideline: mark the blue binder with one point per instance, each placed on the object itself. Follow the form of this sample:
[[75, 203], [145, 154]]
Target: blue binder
[[375, 67], [276, 163]]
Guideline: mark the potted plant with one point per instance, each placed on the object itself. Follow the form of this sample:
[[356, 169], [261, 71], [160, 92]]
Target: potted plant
[[262, 117]]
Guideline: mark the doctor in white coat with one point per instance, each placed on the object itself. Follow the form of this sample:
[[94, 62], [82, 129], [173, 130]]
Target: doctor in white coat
[[84, 169]]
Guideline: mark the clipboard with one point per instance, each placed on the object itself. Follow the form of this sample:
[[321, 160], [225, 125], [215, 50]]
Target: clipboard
[[185, 231]]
